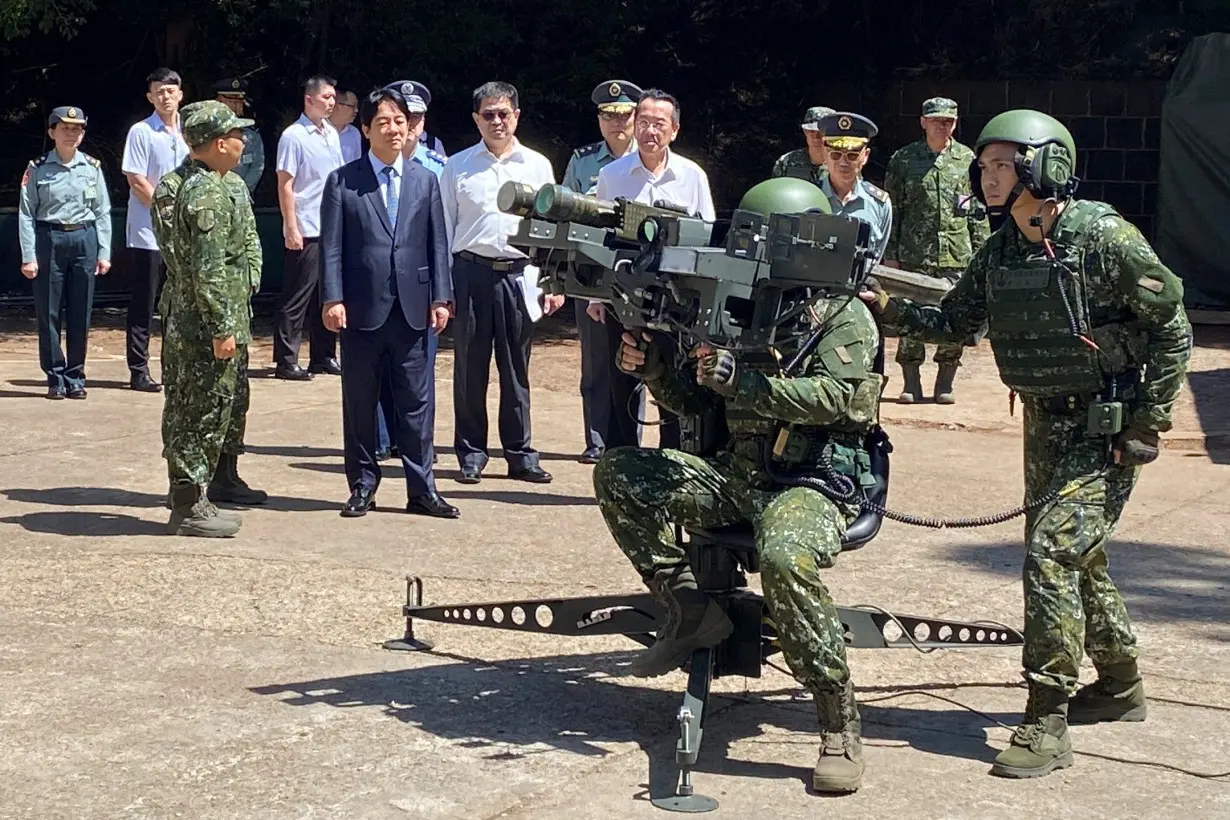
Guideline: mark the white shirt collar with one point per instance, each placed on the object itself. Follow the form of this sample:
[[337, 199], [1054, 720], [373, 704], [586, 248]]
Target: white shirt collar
[[156, 123], [325, 125], [514, 152], [379, 165], [667, 171]]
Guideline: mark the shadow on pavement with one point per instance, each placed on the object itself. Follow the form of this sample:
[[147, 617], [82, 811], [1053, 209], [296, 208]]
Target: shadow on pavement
[[1159, 582], [86, 523], [110, 497], [1209, 391], [514, 709]]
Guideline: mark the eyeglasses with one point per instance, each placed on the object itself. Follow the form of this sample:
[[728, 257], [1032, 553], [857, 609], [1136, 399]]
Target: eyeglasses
[[848, 156], [492, 116], [615, 116]]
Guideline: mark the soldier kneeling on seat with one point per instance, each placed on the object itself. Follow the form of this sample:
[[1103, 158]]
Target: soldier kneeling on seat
[[830, 406]]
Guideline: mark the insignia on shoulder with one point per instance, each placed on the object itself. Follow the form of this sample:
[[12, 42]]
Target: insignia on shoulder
[[97, 163], [440, 158], [877, 193], [586, 150]]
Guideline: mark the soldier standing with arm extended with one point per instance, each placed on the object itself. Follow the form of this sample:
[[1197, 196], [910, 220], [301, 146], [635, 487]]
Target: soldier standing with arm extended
[[607, 395], [937, 227], [1088, 326], [233, 93], [806, 163], [209, 324], [64, 223]]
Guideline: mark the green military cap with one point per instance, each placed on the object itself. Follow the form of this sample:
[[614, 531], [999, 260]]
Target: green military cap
[[66, 113], [940, 107], [620, 96], [811, 120], [210, 119], [845, 130]]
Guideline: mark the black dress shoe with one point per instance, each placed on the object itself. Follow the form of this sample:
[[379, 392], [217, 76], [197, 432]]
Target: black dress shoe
[[535, 475], [329, 366], [76, 392], [432, 504], [470, 475], [56, 393], [293, 373], [144, 383], [591, 455], [361, 500]]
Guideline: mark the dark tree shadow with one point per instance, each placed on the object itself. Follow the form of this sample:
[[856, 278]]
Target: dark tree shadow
[[1159, 582], [86, 523], [569, 703], [1210, 389], [90, 384], [293, 451], [18, 394], [391, 470], [110, 497]]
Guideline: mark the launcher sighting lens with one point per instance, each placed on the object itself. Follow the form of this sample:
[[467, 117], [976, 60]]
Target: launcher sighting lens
[[560, 204], [515, 198]]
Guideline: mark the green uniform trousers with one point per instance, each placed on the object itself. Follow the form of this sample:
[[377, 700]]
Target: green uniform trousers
[[203, 399]]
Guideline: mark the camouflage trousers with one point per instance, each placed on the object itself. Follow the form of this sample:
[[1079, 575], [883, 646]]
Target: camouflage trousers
[[643, 493], [1070, 601], [202, 395], [914, 351]]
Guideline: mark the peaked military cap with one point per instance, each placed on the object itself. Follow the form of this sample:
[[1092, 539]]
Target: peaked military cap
[[940, 107], [209, 119], [620, 96], [811, 120], [231, 87], [415, 93], [66, 113], [845, 130]]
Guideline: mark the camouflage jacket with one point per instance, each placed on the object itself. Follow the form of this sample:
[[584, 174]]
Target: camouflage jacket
[[1121, 274], [210, 234], [836, 390], [797, 163], [161, 216], [936, 223]]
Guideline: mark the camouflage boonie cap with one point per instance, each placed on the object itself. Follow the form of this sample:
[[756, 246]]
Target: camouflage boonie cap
[[940, 107], [210, 119], [811, 120]]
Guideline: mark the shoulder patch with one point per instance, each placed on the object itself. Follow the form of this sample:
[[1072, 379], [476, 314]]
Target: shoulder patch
[[440, 158], [876, 192], [206, 219], [586, 150], [96, 163]]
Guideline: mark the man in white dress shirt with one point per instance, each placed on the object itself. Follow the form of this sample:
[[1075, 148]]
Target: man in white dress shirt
[[308, 151], [491, 312], [342, 118], [654, 173], [153, 147]]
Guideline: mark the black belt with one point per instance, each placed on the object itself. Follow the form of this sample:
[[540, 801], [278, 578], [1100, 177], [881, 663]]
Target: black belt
[[59, 226], [1125, 384], [503, 265]]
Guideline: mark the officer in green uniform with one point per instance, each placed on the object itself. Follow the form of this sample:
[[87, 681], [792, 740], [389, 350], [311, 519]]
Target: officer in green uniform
[[64, 227], [806, 163], [1088, 327], [937, 226], [612, 403], [208, 325], [829, 406], [233, 93]]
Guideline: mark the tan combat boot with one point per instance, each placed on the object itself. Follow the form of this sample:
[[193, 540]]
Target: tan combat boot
[[234, 516], [943, 384], [1041, 744], [839, 769], [227, 486], [1117, 695], [911, 391], [193, 514], [693, 621]]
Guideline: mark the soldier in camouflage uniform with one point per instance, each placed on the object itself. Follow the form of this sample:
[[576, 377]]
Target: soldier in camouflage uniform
[[937, 227], [806, 163], [208, 231], [830, 405], [1080, 313]]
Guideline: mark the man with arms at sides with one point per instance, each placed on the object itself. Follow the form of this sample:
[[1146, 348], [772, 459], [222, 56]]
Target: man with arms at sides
[[308, 151], [491, 309], [385, 285], [153, 146], [651, 173], [610, 416]]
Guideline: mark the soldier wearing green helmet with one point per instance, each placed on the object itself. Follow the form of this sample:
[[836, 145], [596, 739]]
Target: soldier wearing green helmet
[[1088, 327], [832, 403]]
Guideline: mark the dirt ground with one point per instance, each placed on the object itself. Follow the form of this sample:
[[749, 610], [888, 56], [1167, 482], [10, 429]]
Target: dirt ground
[[146, 676]]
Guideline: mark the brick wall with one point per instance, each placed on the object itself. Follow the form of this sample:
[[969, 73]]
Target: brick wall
[[1116, 126]]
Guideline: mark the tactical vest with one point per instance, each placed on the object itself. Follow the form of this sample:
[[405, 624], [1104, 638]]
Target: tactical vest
[[1035, 304], [799, 171]]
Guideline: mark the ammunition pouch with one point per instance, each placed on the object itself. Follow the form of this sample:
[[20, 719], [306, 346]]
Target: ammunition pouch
[[801, 450], [1105, 410], [705, 433]]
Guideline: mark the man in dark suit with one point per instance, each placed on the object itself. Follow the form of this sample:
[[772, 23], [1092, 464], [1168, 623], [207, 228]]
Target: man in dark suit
[[385, 285]]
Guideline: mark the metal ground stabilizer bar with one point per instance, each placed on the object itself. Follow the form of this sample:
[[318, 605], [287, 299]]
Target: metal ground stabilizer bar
[[691, 717]]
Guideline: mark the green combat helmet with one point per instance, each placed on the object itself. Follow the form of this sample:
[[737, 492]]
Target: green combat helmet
[[784, 195], [1045, 159]]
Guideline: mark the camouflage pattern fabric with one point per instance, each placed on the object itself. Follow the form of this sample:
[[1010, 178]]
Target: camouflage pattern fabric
[[1070, 600], [798, 164], [209, 231], [642, 493]]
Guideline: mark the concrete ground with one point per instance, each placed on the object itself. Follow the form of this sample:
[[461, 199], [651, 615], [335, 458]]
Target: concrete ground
[[145, 676]]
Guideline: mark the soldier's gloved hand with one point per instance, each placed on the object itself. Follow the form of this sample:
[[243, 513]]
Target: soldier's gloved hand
[[1135, 447], [640, 358], [876, 297], [716, 370]]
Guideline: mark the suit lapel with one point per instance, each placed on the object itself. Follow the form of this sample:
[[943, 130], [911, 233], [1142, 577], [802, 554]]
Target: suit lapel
[[373, 196]]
